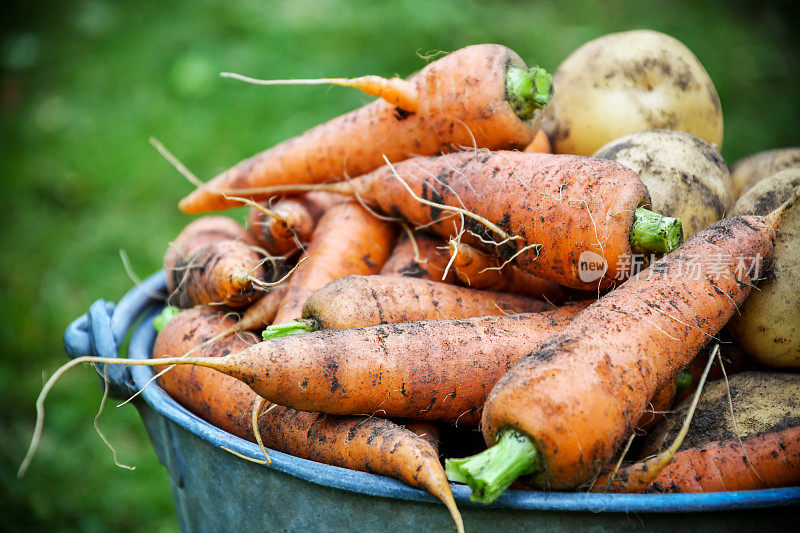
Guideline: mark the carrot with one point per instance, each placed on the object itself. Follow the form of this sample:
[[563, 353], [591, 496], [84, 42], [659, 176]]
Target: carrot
[[593, 379], [367, 444], [540, 144], [482, 271], [423, 257], [361, 301], [348, 240], [762, 450], [212, 262], [293, 224], [570, 219], [481, 96]]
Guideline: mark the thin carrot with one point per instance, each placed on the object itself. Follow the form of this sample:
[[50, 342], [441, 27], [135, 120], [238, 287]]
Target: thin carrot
[[347, 240], [594, 378], [540, 144], [361, 301], [483, 271], [293, 224], [480, 96], [367, 444], [421, 256]]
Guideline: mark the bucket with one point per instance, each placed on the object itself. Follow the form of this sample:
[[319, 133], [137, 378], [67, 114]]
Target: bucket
[[216, 491]]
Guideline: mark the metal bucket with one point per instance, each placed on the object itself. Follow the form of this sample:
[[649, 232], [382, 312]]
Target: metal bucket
[[216, 491]]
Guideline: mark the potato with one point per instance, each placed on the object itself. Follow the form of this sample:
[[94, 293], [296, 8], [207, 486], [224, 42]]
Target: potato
[[685, 175], [768, 326], [627, 82], [752, 169], [763, 402]]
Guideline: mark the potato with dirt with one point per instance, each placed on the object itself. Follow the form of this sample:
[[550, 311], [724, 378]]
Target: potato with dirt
[[627, 82], [768, 325], [748, 171], [686, 176]]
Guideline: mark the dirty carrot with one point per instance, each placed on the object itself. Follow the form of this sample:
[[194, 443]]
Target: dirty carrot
[[540, 144], [348, 240], [595, 376], [480, 96], [483, 271], [421, 256], [361, 301], [293, 222]]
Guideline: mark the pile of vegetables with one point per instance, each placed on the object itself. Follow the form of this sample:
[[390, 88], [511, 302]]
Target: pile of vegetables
[[426, 262]]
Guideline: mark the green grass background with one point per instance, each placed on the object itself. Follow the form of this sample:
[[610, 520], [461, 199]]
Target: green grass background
[[85, 83]]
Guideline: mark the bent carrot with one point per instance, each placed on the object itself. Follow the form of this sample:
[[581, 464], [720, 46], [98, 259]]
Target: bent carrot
[[480, 96], [594, 378], [483, 271], [367, 444], [293, 223], [348, 240], [423, 257]]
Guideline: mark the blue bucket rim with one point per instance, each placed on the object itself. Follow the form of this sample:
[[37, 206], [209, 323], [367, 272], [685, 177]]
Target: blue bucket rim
[[141, 345]]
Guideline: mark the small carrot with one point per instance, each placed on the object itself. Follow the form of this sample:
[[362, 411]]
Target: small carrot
[[362, 301], [213, 262], [598, 373], [421, 256], [347, 240], [540, 144], [483, 271], [480, 96], [293, 222]]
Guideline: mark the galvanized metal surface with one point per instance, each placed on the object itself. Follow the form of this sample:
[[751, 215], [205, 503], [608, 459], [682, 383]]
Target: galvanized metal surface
[[217, 491]]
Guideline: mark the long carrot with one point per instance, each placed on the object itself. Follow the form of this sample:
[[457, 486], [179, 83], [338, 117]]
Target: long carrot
[[367, 444], [421, 257], [570, 219], [594, 378], [483, 271], [347, 241], [361, 301], [480, 96], [293, 222]]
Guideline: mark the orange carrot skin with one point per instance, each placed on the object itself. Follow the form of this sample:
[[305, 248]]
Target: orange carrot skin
[[347, 241], [432, 259], [298, 217], [462, 102], [361, 301], [579, 394], [775, 456], [428, 370], [660, 403], [540, 144], [483, 271], [262, 312], [539, 197], [368, 444]]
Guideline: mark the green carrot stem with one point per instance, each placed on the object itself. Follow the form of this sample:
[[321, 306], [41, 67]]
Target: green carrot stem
[[528, 90], [167, 314], [492, 471], [289, 328], [654, 233]]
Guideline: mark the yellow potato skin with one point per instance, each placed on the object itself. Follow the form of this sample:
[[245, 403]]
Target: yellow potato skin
[[768, 326], [748, 171], [627, 82]]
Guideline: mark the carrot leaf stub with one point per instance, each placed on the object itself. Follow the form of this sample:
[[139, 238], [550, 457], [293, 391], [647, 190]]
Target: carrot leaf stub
[[654, 233], [289, 328], [492, 471], [528, 90]]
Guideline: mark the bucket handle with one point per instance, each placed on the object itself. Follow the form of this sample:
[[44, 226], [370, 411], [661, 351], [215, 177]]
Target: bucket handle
[[102, 330]]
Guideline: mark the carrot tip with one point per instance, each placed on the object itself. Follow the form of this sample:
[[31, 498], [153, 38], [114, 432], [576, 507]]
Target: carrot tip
[[492, 471]]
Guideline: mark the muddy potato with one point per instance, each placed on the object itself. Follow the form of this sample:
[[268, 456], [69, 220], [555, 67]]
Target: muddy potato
[[686, 176], [754, 168], [768, 326], [627, 82]]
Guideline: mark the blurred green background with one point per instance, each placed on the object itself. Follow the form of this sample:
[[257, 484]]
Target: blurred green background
[[85, 83]]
